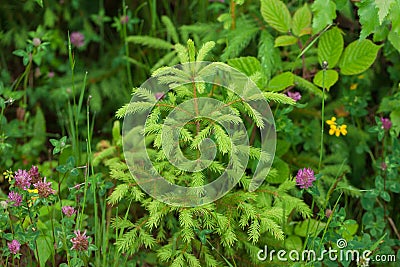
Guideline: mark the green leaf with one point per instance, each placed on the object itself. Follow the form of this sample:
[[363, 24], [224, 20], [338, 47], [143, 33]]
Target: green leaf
[[39, 128], [330, 47], [331, 77], [276, 14], [49, 18], [20, 53], [150, 42], [44, 248], [309, 227], [281, 82], [395, 118], [285, 40], [383, 8], [283, 172], [394, 39], [247, 65], [358, 57], [385, 195], [302, 21], [39, 2], [170, 29], [324, 14], [293, 242], [306, 85], [368, 17]]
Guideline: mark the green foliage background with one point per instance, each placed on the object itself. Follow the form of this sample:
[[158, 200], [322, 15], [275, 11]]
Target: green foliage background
[[341, 55]]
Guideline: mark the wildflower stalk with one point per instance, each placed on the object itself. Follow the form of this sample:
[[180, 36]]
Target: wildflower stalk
[[324, 67], [53, 259], [124, 36], [90, 170]]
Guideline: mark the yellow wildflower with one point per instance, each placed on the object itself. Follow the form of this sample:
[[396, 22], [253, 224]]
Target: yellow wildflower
[[33, 198], [332, 121], [8, 175], [35, 191], [336, 129]]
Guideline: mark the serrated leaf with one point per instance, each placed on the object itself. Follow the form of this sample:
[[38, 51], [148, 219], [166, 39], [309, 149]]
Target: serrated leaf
[[358, 57], [285, 40], [301, 20], [383, 8], [330, 47], [331, 77], [324, 14], [368, 17], [281, 82], [276, 14]]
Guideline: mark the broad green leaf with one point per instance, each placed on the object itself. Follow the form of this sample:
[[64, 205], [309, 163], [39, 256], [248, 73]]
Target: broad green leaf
[[40, 2], [394, 16], [293, 242], [44, 248], [281, 82], [247, 65], [283, 172], [330, 47], [394, 39], [358, 57], [276, 14], [302, 21], [331, 77], [309, 227], [368, 17], [324, 14], [309, 86], [285, 40], [395, 118], [49, 18], [39, 128], [383, 8]]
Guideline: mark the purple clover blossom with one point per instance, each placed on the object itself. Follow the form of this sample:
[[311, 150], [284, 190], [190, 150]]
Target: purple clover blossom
[[44, 188], [80, 242], [77, 39], [304, 178], [34, 174], [386, 123], [296, 96], [68, 211], [14, 246], [15, 197], [22, 179]]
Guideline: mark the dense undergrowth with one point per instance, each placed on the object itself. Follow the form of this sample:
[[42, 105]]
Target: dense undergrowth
[[71, 196]]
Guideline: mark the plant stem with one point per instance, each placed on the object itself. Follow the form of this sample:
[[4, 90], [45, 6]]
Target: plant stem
[[124, 36], [322, 119]]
